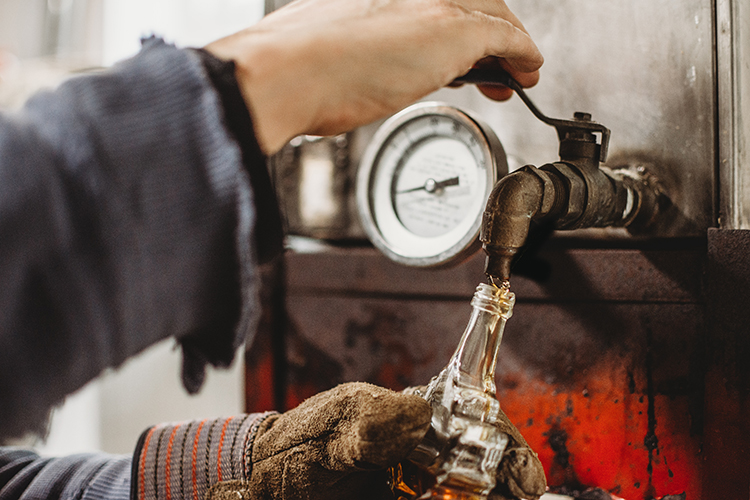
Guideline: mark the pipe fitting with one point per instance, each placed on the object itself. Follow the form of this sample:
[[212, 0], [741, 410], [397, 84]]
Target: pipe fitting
[[515, 200], [572, 184], [548, 191], [646, 197], [569, 195]]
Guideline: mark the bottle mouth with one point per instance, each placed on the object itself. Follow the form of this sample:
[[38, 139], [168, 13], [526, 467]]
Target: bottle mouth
[[494, 299]]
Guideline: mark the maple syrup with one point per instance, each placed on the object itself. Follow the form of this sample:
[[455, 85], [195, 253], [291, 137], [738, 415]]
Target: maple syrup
[[460, 454]]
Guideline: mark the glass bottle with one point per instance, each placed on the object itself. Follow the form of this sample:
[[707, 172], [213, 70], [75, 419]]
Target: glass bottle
[[459, 456]]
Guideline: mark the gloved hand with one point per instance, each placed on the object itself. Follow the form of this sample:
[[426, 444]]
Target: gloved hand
[[335, 445]]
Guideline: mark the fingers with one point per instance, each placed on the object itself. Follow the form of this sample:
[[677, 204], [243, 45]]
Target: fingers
[[510, 48], [328, 446], [512, 44], [499, 93], [496, 93], [359, 425], [508, 45], [368, 426], [504, 35], [521, 474]]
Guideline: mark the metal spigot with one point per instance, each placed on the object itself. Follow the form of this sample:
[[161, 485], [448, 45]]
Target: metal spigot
[[572, 193]]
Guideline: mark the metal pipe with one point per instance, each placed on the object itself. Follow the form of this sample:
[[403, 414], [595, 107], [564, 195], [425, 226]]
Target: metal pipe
[[570, 195]]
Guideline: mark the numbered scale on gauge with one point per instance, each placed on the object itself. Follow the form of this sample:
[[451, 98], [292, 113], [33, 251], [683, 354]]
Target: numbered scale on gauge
[[424, 181]]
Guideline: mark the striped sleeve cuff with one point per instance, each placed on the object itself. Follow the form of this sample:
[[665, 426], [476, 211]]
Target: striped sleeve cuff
[[181, 461]]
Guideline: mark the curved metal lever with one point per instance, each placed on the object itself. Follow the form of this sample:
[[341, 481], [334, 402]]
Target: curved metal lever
[[582, 123]]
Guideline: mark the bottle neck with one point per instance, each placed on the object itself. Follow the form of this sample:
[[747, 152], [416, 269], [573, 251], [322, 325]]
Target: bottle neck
[[476, 356]]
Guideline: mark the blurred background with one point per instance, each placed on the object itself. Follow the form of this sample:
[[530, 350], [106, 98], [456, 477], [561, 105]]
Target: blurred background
[[40, 40], [625, 364], [43, 42]]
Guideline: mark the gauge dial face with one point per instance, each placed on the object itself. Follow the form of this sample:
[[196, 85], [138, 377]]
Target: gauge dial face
[[424, 181], [435, 184]]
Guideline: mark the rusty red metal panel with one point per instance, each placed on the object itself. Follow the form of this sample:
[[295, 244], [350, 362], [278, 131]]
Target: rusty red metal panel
[[626, 370], [613, 411], [610, 395], [630, 444]]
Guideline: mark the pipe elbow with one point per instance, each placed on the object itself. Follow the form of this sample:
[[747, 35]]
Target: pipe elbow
[[515, 200]]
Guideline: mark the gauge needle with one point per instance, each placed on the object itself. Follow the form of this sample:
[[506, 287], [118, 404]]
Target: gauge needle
[[431, 185]]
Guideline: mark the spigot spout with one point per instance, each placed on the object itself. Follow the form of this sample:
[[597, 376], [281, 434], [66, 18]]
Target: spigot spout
[[514, 202]]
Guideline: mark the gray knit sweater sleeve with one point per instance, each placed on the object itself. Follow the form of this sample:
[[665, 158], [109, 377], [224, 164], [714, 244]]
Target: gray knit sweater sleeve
[[26, 476], [178, 461], [126, 216]]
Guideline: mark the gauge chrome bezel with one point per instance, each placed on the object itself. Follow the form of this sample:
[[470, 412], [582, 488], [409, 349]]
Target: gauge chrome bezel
[[420, 251]]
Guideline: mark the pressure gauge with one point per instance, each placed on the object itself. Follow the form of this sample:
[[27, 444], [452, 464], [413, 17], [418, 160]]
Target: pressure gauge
[[423, 183]]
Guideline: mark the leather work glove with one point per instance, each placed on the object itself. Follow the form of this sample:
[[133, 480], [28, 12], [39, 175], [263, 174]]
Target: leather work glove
[[334, 446]]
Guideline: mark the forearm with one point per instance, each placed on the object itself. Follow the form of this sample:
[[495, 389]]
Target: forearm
[[126, 216]]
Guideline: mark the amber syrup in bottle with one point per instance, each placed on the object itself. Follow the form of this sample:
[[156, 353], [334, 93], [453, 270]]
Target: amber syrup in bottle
[[459, 456], [409, 481]]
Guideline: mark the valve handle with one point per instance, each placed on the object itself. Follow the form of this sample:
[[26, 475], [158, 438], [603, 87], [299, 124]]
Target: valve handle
[[582, 123]]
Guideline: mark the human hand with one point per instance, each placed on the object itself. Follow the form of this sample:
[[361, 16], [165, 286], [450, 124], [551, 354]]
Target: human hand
[[333, 446], [326, 66]]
